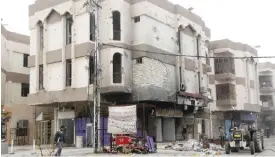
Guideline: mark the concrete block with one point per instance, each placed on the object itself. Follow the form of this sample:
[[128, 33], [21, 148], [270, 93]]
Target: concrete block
[[4, 148]]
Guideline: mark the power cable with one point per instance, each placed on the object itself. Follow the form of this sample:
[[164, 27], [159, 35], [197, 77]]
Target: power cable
[[195, 56]]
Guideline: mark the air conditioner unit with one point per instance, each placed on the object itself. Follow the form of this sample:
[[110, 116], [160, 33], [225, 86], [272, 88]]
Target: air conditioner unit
[[203, 90], [182, 87]]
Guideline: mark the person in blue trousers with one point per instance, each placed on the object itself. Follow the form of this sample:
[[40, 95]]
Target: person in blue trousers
[[59, 140]]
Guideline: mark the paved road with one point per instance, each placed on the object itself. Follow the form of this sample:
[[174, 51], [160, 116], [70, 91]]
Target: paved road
[[26, 151]]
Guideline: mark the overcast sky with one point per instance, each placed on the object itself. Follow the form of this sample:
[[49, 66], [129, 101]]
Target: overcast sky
[[247, 21]]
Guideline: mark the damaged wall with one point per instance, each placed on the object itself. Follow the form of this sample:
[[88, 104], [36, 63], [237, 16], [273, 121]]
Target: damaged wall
[[153, 80], [217, 121]]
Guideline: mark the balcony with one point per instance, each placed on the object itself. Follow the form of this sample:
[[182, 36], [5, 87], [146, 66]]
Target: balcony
[[226, 102], [252, 107], [267, 89], [225, 77], [267, 108], [224, 69]]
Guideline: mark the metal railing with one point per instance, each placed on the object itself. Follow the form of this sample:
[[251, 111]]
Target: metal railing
[[117, 77], [116, 34]]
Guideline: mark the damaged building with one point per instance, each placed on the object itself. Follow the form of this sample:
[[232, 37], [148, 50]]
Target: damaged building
[[234, 82], [141, 63]]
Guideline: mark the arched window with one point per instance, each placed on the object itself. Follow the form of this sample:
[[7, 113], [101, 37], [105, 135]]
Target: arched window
[[92, 27], [117, 76], [41, 35], [116, 25]]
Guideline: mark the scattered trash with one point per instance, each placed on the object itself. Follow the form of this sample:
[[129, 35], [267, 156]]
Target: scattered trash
[[194, 145]]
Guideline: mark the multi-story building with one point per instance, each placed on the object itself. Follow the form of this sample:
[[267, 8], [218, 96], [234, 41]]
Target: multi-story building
[[14, 74], [267, 94], [234, 82], [140, 44]]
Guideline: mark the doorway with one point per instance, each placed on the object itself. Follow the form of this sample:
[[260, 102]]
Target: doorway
[[69, 131]]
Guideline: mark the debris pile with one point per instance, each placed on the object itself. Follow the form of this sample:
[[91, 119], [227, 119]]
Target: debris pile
[[195, 145]]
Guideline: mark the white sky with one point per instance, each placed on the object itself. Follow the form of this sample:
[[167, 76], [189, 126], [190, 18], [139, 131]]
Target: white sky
[[247, 21]]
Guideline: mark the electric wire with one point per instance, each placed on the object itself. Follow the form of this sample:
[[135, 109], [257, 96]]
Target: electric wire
[[183, 55]]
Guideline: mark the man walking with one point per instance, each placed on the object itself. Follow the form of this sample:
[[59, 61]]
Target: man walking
[[184, 133], [59, 139], [222, 136]]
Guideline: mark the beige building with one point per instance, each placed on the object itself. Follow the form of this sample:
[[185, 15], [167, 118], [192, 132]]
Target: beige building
[[61, 73], [15, 77], [267, 94], [234, 83]]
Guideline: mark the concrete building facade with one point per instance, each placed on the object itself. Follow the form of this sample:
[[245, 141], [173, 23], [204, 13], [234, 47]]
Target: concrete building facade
[[14, 76], [139, 62], [267, 94], [234, 83]]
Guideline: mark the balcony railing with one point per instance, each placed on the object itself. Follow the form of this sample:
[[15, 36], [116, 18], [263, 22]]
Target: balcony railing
[[116, 34], [117, 77]]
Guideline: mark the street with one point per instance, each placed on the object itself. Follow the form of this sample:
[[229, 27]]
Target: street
[[27, 151]]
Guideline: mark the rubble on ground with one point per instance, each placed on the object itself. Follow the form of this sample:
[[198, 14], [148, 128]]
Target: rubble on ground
[[195, 145]]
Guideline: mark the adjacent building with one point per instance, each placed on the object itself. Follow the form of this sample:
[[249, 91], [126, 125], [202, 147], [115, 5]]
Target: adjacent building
[[234, 84], [14, 75], [140, 47], [267, 96]]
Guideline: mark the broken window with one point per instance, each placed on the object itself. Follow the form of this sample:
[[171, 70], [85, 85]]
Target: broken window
[[40, 79], [25, 88], [92, 27], [69, 23], [137, 19], [139, 60], [68, 72], [117, 78], [180, 73], [198, 46], [265, 81], [207, 59], [116, 25], [91, 70], [25, 60], [225, 91], [41, 36], [224, 65], [267, 100]]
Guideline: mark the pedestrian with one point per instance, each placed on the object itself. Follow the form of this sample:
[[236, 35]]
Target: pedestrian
[[222, 136], [184, 133], [59, 140]]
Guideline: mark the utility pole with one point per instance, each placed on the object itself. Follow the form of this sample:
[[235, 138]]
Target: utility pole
[[93, 9]]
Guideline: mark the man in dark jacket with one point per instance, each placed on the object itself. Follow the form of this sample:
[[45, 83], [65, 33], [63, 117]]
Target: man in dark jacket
[[59, 139]]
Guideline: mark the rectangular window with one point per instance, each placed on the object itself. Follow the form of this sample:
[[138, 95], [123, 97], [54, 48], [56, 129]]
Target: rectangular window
[[267, 100], [225, 91], [69, 23], [40, 79], [137, 19], [25, 60], [68, 72], [92, 27], [41, 37], [224, 65], [91, 67], [25, 88], [265, 81], [180, 75], [139, 60]]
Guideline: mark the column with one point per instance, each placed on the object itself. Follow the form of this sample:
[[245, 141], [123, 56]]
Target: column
[[45, 49], [63, 62], [73, 47]]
